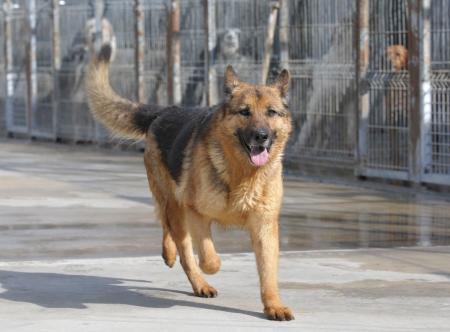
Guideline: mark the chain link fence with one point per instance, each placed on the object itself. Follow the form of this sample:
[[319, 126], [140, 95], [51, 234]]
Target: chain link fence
[[370, 79]]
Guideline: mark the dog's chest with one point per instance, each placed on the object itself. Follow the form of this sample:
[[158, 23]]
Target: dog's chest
[[230, 207]]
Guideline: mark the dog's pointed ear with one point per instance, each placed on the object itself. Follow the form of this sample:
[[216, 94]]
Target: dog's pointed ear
[[232, 81], [282, 82]]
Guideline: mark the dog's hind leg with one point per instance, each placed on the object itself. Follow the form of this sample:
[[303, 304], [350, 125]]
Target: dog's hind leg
[[169, 249], [177, 221], [200, 229], [157, 187]]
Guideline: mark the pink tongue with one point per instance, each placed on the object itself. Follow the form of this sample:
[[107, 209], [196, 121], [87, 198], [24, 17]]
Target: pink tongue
[[259, 157]]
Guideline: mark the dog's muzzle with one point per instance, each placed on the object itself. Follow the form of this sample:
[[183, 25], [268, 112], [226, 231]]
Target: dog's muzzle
[[256, 142]]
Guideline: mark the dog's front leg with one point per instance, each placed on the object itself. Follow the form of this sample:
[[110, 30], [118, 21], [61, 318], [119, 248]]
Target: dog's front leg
[[264, 234]]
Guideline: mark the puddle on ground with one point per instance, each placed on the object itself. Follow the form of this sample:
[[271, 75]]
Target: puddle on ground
[[346, 230], [323, 216], [374, 223], [362, 230]]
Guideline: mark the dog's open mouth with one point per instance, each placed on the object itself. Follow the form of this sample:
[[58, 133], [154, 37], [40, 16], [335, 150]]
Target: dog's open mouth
[[258, 154]]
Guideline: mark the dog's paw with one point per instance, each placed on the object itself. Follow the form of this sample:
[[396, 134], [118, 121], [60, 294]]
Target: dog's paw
[[205, 291], [278, 313]]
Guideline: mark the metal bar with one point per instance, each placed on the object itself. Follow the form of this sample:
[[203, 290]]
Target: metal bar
[[363, 92], [426, 103], [3, 77], [176, 53], [98, 15], [169, 58], [439, 179], [9, 66], [284, 34], [139, 31], [384, 174], [415, 88], [173, 54], [268, 44], [32, 67], [211, 37], [56, 63]]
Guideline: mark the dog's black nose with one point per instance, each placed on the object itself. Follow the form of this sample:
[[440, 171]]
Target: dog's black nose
[[260, 135]]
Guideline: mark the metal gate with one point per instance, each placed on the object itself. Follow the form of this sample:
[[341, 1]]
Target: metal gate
[[155, 40], [73, 119], [17, 76], [384, 134], [322, 57], [436, 117], [43, 119]]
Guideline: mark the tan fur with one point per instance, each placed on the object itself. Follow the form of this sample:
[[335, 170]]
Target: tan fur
[[218, 183], [398, 56], [109, 108]]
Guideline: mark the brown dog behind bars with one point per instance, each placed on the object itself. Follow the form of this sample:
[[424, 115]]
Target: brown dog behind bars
[[396, 106], [398, 56], [220, 164]]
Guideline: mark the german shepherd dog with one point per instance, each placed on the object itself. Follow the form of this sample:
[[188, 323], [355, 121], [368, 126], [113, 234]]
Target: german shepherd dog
[[219, 164]]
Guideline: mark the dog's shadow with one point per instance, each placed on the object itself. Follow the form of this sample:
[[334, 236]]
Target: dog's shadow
[[55, 290]]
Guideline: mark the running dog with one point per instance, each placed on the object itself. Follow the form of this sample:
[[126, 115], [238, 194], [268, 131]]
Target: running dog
[[220, 164]]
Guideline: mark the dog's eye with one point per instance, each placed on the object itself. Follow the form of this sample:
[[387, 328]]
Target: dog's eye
[[245, 112], [271, 112]]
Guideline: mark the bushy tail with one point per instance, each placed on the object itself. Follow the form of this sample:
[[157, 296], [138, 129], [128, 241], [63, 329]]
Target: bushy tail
[[120, 115]]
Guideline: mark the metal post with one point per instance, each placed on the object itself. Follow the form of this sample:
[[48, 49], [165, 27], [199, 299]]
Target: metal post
[[9, 66], [425, 112], [56, 62], [32, 67], [211, 96], [139, 31], [176, 53], [268, 44], [173, 54], [3, 77], [284, 34], [361, 71], [419, 85], [98, 15]]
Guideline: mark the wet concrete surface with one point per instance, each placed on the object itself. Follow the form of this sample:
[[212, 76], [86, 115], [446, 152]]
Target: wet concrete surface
[[344, 290], [60, 201]]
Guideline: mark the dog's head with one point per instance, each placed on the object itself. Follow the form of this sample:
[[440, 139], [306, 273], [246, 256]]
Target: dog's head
[[398, 56], [256, 120], [229, 42], [108, 36]]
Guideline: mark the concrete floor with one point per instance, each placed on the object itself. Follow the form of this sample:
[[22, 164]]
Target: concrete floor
[[79, 245], [357, 290]]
